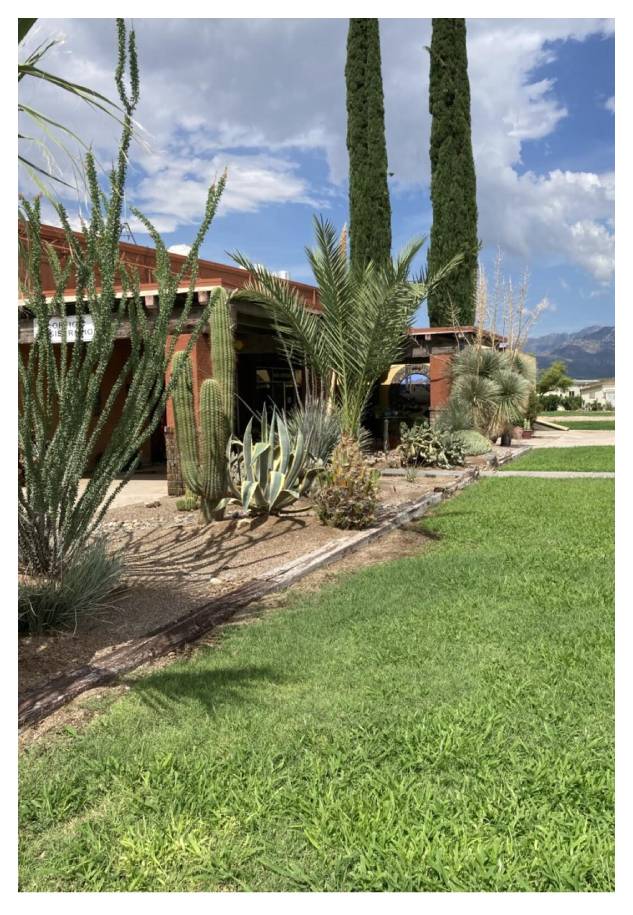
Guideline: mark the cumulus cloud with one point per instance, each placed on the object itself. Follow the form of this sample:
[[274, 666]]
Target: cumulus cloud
[[273, 89], [179, 249]]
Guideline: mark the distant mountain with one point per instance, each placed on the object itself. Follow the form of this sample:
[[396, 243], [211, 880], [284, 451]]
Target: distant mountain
[[588, 353]]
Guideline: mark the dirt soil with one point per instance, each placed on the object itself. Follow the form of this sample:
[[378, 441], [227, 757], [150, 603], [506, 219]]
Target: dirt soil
[[174, 564]]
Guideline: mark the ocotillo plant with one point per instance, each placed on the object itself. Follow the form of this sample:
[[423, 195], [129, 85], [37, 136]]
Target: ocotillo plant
[[203, 447], [61, 418]]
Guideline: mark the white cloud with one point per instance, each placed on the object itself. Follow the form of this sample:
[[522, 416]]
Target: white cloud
[[271, 88], [610, 104], [179, 249]]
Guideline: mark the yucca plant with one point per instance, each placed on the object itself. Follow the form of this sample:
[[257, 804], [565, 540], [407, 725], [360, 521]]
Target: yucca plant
[[364, 319], [273, 472], [61, 418], [490, 389]]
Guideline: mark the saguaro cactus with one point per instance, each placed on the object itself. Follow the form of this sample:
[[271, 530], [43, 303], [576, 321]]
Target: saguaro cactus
[[203, 449]]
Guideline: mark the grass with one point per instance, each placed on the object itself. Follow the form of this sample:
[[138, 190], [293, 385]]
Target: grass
[[564, 413], [588, 424], [441, 722], [583, 458]]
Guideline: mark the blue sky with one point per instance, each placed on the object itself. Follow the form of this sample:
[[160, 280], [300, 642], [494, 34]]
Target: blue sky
[[245, 94]]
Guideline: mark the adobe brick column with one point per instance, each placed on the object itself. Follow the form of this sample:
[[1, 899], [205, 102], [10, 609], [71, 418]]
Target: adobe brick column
[[440, 382], [200, 358]]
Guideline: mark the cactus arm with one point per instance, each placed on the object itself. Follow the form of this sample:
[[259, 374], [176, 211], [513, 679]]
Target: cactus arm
[[214, 436], [186, 435], [223, 353]]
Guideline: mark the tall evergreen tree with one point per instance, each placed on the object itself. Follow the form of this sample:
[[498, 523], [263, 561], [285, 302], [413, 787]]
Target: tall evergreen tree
[[370, 211], [453, 185]]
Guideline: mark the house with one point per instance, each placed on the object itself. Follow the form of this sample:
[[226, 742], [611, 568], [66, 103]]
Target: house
[[263, 374], [600, 391]]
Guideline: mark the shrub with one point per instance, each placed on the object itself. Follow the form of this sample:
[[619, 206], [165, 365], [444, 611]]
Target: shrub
[[572, 402], [472, 442], [347, 496], [550, 402], [57, 602], [424, 445], [533, 408]]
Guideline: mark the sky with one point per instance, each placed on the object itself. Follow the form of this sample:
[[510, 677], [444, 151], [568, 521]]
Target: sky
[[265, 98]]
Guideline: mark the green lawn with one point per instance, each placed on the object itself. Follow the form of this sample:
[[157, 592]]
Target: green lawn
[[588, 424], [563, 413], [442, 722], [590, 457]]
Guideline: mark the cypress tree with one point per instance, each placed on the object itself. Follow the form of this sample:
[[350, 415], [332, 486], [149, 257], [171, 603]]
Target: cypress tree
[[369, 208], [453, 186]]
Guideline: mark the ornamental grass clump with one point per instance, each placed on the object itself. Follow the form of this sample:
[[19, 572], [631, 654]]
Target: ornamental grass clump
[[58, 601], [347, 496]]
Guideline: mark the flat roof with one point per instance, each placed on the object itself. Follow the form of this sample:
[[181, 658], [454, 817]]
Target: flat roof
[[214, 274]]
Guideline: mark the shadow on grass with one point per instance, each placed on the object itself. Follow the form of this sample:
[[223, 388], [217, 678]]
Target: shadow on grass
[[211, 689]]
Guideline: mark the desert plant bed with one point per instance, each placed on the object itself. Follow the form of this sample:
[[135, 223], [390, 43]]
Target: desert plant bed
[[581, 458], [174, 564], [439, 722]]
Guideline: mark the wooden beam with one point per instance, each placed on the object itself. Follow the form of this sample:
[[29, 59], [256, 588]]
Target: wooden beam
[[25, 328]]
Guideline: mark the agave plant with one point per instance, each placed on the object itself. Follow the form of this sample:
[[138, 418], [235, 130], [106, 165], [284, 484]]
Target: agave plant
[[272, 473]]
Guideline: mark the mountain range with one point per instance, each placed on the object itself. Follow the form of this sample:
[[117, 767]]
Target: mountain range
[[587, 353]]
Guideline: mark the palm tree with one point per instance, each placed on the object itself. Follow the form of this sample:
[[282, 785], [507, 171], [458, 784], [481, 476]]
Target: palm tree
[[363, 323]]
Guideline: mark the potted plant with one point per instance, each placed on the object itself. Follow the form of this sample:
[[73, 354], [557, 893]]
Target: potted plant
[[527, 429]]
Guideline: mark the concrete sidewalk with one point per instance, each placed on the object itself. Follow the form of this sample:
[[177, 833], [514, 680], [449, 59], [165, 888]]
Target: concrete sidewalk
[[142, 488], [574, 438]]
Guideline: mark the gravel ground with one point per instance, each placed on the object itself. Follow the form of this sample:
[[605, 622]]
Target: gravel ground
[[174, 564]]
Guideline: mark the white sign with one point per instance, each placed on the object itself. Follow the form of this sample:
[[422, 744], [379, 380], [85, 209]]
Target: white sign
[[56, 326]]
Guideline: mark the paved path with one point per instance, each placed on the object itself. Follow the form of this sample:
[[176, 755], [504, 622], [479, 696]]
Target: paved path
[[141, 488], [573, 438], [552, 474]]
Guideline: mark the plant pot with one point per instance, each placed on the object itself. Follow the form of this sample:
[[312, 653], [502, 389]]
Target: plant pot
[[506, 439], [517, 433], [528, 433]]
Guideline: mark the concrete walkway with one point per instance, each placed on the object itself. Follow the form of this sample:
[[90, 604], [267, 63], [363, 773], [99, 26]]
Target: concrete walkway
[[573, 438], [552, 474], [141, 488]]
